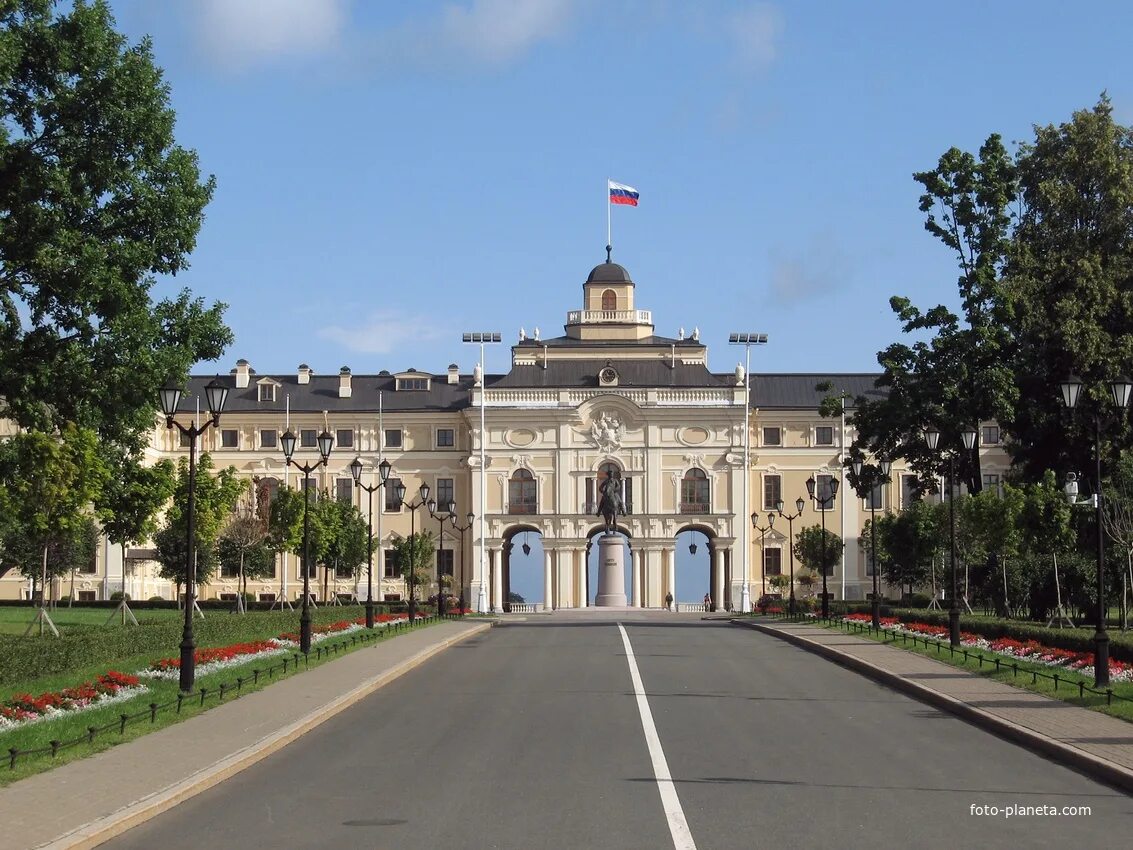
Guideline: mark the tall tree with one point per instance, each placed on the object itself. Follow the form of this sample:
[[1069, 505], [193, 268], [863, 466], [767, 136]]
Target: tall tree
[[243, 545], [96, 199], [129, 503], [911, 539], [415, 554], [815, 553]]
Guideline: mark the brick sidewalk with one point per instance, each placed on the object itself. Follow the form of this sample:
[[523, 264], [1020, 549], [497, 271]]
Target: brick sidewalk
[[86, 802], [1096, 743]]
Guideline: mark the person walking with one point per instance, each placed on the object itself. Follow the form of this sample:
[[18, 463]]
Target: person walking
[[669, 601], [707, 602]]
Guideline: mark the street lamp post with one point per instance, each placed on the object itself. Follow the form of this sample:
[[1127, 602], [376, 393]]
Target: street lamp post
[[762, 538], [790, 518], [483, 338], [448, 512], [215, 396], [932, 440], [461, 529], [383, 472], [326, 443], [1119, 393], [423, 492], [868, 478], [825, 500], [747, 340]]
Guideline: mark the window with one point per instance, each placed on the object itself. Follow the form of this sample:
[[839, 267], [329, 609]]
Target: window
[[772, 491], [863, 547], [87, 595], [184, 440], [773, 561], [308, 438], [694, 492], [227, 597], [266, 597], [990, 435], [772, 435], [991, 482], [909, 490], [229, 438], [413, 383], [445, 438], [824, 435], [822, 488], [393, 438], [445, 493], [522, 493], [344, 490], [390, 490], [312, 572], [90, 567], [344, 438], [445, 562], [875, 498], [266, 489], [311, 486], [230, 570], [609, 300], [390, 566], [269, 438], [267, 392]]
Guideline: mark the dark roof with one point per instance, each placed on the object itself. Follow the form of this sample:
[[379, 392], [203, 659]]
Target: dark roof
[[783, 391], [798, 391], [571, 342], [631, 373], [609, 273]]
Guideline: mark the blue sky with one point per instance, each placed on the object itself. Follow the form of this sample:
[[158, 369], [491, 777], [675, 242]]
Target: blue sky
[[391, 174]]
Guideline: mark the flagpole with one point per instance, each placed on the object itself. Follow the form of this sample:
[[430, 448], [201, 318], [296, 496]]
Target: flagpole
[[609, 240]]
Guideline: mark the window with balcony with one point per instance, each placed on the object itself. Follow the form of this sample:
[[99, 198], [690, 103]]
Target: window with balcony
[[694, 492], [772, 491], [593, 491], [522, 493]]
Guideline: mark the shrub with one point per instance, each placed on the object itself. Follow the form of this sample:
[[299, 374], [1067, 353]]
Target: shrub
[[118, 596], [157, 599]]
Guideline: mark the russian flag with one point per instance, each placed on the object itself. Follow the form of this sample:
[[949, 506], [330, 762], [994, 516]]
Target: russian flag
[[622, 194]]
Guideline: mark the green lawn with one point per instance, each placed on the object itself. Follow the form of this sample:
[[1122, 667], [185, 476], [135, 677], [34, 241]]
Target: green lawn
[[71, 727], [14, 620]]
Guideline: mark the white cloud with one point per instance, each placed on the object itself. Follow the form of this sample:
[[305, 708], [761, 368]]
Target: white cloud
[[754, 33], [248, 32], [499, 30], [818, 268], [386, 331]]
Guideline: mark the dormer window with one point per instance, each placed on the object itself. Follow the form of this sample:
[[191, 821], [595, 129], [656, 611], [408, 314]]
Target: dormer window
[[266, 392], [413, 383]]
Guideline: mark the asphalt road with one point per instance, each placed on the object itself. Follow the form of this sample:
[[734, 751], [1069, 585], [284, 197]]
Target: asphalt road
[[530, 736]]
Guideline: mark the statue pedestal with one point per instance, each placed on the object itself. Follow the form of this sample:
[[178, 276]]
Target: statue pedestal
[[611, 572]]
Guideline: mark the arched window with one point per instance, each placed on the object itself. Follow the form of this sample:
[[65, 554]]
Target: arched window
[[522, 493], [609, 300], [694, 492], [266, 489]]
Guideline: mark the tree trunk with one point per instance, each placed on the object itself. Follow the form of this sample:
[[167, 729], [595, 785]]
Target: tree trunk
[[71, 597]]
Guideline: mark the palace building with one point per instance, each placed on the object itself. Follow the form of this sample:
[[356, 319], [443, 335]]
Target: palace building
[[609, 394]]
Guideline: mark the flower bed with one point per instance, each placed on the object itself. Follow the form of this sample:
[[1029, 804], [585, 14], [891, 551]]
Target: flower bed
[[1025, 650], [110, 687]]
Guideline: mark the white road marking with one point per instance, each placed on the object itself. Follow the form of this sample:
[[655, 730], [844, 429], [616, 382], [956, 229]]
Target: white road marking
[[678, 825]]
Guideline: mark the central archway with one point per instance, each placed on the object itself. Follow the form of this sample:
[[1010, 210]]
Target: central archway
[[522, 569]]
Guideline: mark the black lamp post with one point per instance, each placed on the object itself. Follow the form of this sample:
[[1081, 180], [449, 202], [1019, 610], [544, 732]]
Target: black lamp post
[[461, 529], [383, 471], [1119, 393], [215, 396], [444, 512], [825, 500], [868, 478], [326, 443], [932, 440], [413, 506], [762, 557], [790, 518]]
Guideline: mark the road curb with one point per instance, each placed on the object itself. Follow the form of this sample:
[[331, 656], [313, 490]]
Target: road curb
[[1092, 765], [103, 829]]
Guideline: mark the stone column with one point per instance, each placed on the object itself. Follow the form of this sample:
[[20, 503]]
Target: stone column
[[637, 556], [494, 601], [581, 590], [718, 584], [548, 581]]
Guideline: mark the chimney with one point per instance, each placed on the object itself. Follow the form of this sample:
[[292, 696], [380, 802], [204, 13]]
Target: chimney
[[304, 373], [242, 373], [453, 373], [344, 382]]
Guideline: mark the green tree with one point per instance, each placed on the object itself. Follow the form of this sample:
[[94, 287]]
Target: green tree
[[130, 501], [992, 539], [347, 548], [415, 554], [77, 549], [216, 495], [98, 200], [1048, 532], [809, 550], [242, 546], [911, 539], [50, 481]]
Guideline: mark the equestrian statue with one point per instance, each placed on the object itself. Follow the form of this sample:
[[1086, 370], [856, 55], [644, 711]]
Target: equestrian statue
[[611, 503]]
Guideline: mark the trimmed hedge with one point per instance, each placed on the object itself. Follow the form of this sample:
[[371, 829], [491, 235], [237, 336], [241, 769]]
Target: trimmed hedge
[[1077, 640]]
